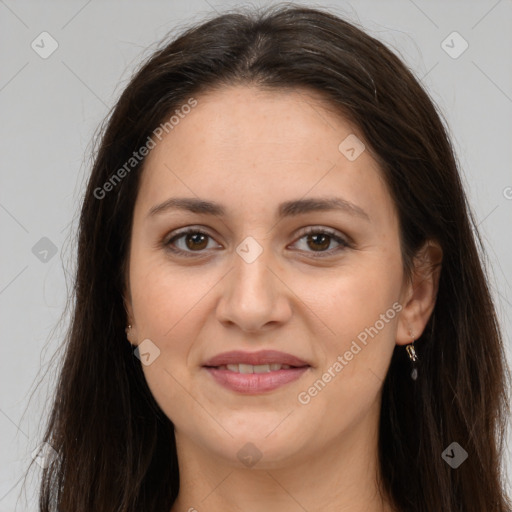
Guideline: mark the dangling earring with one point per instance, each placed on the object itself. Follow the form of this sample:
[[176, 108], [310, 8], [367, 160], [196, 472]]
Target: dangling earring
[[413, 357]]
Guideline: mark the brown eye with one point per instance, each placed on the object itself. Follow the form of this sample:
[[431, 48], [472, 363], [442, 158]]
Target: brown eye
[[319, 240], [188, 242], [196, 241]]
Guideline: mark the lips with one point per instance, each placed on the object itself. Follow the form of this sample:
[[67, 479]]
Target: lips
[[255, 372], [263, 357], [257, 368]]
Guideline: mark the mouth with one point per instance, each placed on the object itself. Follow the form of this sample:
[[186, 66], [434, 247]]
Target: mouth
[[255, 368], [261, 358], [256, 372]]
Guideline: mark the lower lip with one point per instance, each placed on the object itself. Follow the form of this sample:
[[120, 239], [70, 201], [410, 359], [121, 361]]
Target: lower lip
[[254, 383]]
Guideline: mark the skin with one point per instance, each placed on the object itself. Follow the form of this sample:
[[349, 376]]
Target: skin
[[250, 150]]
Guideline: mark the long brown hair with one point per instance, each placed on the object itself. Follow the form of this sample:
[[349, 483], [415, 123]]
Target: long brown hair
[[116, 448]]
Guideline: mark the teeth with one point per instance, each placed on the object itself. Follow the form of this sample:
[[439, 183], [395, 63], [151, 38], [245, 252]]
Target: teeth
[[246, 368], [258, 368], [261, 368]]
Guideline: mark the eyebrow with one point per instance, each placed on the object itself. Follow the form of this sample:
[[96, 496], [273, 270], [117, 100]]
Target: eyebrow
[[286, 209]]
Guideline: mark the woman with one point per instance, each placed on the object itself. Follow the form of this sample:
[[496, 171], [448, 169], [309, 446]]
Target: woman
[[280, 303]]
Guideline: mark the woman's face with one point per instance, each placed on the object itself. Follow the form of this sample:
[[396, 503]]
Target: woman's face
[[252, 280]]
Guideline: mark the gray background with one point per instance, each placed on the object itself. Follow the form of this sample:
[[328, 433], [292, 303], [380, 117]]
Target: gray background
[[50, 109]]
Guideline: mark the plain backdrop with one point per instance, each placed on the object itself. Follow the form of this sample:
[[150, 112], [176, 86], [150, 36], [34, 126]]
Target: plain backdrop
[[51, 106]]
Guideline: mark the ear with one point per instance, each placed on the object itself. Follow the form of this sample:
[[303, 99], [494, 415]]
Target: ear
[[131, 333], [419, 293]]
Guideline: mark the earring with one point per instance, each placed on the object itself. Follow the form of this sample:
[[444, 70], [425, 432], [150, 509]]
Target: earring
[[413, 357], [127, 331]]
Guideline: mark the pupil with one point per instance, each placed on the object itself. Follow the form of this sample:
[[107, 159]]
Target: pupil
[[325, 245], [196, 239]]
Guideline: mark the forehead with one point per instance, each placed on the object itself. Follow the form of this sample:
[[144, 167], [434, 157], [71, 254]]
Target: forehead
[[242, 117], [248, 143]]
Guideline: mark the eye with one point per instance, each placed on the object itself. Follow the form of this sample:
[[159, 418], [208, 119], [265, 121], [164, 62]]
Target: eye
[[194, 240], [319, 239]]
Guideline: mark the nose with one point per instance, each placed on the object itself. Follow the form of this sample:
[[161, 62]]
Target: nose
[[255, 295]]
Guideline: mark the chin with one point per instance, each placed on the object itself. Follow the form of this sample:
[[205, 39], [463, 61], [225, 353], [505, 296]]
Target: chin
[[258, 443]]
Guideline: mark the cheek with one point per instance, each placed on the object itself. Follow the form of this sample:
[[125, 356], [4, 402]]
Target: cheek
[[359, 310], [165, 298], [171, 308]]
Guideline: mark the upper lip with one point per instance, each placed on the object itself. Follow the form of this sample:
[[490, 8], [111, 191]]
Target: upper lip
[[255, 358]]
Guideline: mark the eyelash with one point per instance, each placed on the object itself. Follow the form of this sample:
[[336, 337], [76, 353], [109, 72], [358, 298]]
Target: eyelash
[[344, 244]]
